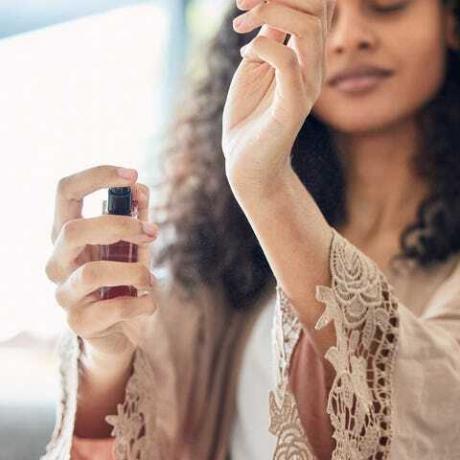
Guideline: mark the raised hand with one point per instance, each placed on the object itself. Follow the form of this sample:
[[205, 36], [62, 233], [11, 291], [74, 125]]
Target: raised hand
[[110, 328], [274, 88]]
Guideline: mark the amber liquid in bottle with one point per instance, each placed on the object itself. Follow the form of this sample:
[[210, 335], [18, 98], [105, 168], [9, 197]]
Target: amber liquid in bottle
[[120, 201]]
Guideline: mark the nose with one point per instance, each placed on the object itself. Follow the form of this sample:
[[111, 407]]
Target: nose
[[350, 31]]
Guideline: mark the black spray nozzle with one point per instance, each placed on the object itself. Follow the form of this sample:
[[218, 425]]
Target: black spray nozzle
[[120, 201]]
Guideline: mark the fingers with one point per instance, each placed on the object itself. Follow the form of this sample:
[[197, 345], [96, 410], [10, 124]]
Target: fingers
[[72, 189], [284, 60], [270, 32], [105, 229], [299, 5], [308, 32], [90, 320], [141, 193], [246, 5], [91, 276], [282, 17]]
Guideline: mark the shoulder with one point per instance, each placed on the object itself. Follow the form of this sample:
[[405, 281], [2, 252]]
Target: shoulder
[[449, 288]]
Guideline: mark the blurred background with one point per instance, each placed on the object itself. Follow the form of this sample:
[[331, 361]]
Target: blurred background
[[82, 83]]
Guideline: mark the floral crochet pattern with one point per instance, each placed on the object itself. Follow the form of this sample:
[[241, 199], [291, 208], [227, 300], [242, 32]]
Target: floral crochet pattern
[[364, 310], [134, 426], [69, 352], [285, 422]]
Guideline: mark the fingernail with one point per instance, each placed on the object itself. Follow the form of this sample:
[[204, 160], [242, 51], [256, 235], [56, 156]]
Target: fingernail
[[238, 21], [127, 173], [150, 229]]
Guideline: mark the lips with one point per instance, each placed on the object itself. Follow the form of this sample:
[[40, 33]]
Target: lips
[[358, 72]]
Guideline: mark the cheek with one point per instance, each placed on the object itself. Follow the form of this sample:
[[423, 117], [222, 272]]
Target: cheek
[[423, 64]]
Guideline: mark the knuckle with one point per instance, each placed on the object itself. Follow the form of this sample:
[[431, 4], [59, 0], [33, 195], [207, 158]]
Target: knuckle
[[258, 40], [142, 275], [60, 296], [75, 321], [143, 188], [122, 224], [148, 305], [88, 274], [69, 229], [262, 7], [75, 279], [50, 270], [259, 12], [103, 168], [122, 309], [63, 184], [290, 59]]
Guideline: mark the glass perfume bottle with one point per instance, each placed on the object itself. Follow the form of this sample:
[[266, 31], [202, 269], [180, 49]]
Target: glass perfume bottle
[[119, 202]]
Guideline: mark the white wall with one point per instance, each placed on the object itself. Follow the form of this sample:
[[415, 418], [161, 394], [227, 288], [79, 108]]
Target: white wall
[[78, 94]]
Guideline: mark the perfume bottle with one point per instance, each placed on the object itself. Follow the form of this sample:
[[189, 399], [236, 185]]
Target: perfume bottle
[[120, 202]]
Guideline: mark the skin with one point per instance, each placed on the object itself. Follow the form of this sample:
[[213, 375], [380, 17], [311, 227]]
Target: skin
[[375, 135], [262, 117], [383, 192], [277, 86], [376, 132], [111, 328]]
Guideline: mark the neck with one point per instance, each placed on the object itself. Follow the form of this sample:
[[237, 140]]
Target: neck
[[383, 190]]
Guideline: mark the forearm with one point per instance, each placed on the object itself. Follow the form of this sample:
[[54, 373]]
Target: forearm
[[296, 240], [102, 386]]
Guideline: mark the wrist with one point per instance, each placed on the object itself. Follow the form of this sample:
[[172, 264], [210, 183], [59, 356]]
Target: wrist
[[104, 366], [272, 189]]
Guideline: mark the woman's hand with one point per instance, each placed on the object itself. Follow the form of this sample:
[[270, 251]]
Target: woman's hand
[[274, 88], [110, 328]]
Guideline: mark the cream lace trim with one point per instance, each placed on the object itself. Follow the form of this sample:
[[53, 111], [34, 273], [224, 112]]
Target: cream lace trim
[[363, 308], [285, 424], [69, 351], [134, 426]]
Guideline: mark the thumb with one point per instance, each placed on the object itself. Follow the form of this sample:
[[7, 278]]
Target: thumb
[[141, 194]]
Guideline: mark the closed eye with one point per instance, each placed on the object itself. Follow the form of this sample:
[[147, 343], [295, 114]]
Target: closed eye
[[390, 8]]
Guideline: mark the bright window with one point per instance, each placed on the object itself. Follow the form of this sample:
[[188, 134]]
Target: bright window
[[77, 94]]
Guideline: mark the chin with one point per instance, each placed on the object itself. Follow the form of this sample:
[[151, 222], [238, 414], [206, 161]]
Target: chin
[[375, 116], [362, 122]]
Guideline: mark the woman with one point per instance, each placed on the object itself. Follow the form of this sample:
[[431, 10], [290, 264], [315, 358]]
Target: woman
[[343, 195]]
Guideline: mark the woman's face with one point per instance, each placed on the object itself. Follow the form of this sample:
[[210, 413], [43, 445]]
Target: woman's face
[[409, 41]]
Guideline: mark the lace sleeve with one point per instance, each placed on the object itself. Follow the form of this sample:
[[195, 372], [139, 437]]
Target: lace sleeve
[[69, 352], [397, 375], [134, 423], [361, 304]]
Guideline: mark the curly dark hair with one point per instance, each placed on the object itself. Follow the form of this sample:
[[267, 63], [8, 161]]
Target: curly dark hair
[[209, 238]]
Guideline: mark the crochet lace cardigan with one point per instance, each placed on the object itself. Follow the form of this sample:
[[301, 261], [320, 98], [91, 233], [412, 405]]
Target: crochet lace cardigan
[[395, 392]]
